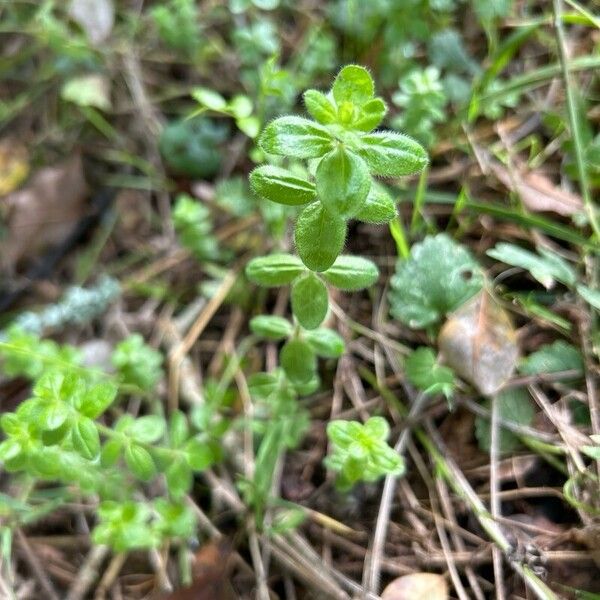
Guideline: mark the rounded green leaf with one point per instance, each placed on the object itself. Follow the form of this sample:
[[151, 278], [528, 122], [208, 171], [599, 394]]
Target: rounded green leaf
[[325, 342], [209, 98], [371, 115], [97, 399], [139, 461], [263, 385], [353, 84], [352, 273], [309, 300], [281, 186], [52, 415], [378, 207], [343, 182], [274, 270], [298, 360], [392, 154], [295, 137], [319, 107], [271, 327], [111, 452], [9, 449], [199, 455], [319, 237], [309, 387], [377, 427], [85, 438], [179, 477], [179, 429], [147, 429], [10, 423]]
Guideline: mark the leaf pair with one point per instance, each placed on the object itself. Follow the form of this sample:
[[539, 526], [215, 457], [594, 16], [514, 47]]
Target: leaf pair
[[309, 292]]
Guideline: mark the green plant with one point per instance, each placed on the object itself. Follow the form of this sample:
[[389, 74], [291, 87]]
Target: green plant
[[342, 155], [191, 147], [426, 374], [193, 226], [360, 452], [177, 24], [24, 354], [423, 100], [438, 277], [137, 363], [66, 434]]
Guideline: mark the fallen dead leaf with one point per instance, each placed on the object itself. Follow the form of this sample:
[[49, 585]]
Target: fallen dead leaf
[[210, 569], [479, 342], [537, 192], [14, 165], [43, 213], [417, 586], [95, 17]]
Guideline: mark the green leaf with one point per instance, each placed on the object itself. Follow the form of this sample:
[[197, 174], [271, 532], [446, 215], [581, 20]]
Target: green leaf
[[11, 424], [147, 429], [209, 98], [438, 277], [377, 427], [52, 415], [295, 137], [263, 385], [281, 186], [343, 182], [427, 375], [140, 462], [274, 270], [360, 452], [378, 207], [307, 388], [552, 358], [179, 429], [85, 438], [241, 106], [352, 273], [179, 477], [200, 455], [271, 327], [9, 449], [176, 520], [137, 363], [319, 107], [392, 154], [546, 267], [298, 360], [249, 125], [592, 297], [319, 237], [309, 300], [591, 451], [111, 451], [353, 84], [370, 116], [325, 342], [97, 399], [515, 406]]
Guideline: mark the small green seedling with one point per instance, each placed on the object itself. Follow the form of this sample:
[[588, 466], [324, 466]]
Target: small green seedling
[[342, 154], [137, 363], [361, 452]]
